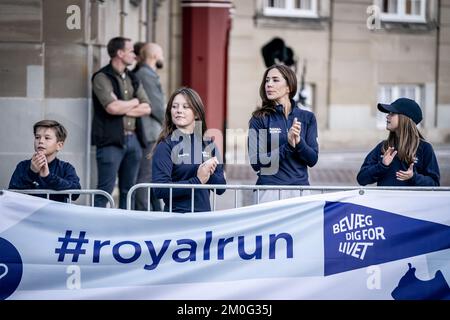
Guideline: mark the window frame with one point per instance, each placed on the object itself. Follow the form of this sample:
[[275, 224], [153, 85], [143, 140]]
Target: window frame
[[290, 11], [401, 16]]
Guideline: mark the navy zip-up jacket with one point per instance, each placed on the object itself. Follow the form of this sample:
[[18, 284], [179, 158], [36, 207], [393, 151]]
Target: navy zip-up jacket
[[182, 169], [426, 168], [293, 163], [62, 177]]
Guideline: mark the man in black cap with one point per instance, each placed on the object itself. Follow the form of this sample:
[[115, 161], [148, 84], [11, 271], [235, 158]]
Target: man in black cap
[[404, 158]]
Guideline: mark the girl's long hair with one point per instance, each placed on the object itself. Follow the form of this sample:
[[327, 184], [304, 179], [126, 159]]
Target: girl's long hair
[[194, 101], [268, 106], [405, 139]]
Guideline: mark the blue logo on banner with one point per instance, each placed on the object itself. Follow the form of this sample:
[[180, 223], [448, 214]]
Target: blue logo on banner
[[356, 236], [411, 288], [10, 269]]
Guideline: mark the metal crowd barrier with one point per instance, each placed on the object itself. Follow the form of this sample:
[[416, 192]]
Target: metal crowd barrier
[[91, 192], [301, 189]]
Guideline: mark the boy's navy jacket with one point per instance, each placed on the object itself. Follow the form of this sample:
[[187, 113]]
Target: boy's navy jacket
[[189, 151], [426, 168], [293, 162], [62, 177]]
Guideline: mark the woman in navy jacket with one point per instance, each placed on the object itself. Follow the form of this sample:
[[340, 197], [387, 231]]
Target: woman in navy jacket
[[404, 158], [282, 137], [183, 154]]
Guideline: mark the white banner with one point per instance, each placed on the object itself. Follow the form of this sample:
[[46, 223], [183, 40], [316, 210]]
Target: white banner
[[379, 245]]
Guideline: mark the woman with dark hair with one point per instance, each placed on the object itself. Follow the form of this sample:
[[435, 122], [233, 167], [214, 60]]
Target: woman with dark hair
[[404, 158], [282, 137], [183, 154]]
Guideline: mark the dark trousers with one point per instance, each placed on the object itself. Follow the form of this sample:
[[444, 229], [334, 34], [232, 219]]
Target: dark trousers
[[145, 176], [113, 161]]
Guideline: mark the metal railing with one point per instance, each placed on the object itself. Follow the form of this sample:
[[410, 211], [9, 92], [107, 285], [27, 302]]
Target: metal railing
[[91, 192], [257, 188]]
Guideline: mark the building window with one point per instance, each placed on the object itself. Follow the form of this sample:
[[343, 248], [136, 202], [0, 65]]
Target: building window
[[290, 8], [388, 93], [402, 10]]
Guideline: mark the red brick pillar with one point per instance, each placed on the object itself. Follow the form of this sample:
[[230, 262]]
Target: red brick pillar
[[205, 33]]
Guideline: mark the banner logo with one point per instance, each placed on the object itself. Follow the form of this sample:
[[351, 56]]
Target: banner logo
[[10, 269], [360, 234], [411, 288], [357, 236]]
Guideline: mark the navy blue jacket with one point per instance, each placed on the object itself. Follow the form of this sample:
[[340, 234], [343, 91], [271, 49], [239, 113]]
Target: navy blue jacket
[[62, 177], [168, 170], [293, 162], [426, 168]]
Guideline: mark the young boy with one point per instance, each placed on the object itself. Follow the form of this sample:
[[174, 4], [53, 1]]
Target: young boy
[[44, 170]]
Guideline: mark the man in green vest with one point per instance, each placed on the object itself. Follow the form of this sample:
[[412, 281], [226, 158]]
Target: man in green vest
[[119, 103]]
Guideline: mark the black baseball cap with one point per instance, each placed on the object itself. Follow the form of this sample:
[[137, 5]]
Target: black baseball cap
[[404, 106]]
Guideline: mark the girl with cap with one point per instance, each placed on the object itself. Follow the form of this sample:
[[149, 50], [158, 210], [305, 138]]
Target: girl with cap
[[282, 137], [405, 158]]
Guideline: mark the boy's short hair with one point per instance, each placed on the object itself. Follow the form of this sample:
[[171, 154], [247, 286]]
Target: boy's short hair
[[60, 131]]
